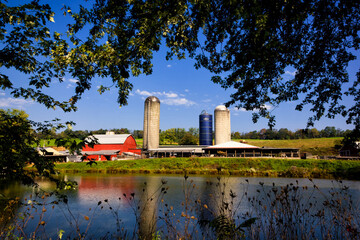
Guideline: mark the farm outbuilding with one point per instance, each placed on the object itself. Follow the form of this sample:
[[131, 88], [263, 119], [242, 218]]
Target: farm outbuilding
[[52, 154], [236, 149], [231, 149], [111, 146], [350, 150]]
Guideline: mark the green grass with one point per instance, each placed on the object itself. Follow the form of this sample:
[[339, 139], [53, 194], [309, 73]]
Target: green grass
[[348, 169]]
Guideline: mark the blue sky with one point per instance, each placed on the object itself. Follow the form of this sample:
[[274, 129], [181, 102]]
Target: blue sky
[[183, 91]]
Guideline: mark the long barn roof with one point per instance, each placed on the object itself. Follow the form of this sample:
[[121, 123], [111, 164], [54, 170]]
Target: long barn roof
[[232, 145], [112, 138]]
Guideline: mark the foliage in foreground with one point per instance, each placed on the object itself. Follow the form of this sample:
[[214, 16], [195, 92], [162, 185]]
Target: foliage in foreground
[[271, 212], [19, 146], [248, 45], [17, 142]]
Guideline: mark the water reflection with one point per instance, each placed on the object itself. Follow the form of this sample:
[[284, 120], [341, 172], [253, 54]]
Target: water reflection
[[132, 206], [148, 204]]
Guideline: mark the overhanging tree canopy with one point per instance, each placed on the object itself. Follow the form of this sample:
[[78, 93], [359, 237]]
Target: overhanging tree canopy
[[249, 42]]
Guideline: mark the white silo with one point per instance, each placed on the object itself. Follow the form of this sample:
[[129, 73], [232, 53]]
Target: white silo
[[151, 123], [222, 125]]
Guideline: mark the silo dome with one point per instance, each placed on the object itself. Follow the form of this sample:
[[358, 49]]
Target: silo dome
[[222, 125], [152, 99], [221, 107], [151, 123]]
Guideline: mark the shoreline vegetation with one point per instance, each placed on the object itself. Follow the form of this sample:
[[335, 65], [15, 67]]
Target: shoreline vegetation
[[249, 167]]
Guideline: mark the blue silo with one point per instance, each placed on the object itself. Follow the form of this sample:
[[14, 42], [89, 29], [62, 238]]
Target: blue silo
[[205, 128]]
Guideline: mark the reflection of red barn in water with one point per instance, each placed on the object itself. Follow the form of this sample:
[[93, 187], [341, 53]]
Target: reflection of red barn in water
[[98, 188], [110, 146]]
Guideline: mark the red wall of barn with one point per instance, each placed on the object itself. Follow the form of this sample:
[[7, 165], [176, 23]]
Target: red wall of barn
[[128, 146]]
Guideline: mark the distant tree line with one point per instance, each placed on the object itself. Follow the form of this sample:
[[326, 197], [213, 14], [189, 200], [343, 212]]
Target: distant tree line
[[191, 136], [82, 134], [284, 133], [179, 136], [169, 136]]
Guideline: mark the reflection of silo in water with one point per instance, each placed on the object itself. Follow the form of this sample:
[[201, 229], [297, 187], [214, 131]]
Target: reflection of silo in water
[[216, 195], [148, 208], [205, 128], [151, 123], [222, 125]]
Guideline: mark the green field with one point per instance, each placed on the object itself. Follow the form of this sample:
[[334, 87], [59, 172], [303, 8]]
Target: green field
[[139, 142], [349, 169], [316, 146]]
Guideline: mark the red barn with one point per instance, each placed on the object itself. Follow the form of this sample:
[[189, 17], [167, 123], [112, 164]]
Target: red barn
[[110, 146]]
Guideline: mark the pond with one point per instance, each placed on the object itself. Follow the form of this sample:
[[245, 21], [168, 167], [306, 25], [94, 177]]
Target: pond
[[198, 207]]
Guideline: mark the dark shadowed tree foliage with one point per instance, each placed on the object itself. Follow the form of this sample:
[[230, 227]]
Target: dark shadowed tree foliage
[[254, 41], [247, 44], [16, 140], [17, 148]]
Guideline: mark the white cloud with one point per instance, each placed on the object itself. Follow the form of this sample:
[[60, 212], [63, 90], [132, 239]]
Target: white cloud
[[291, 73], [206, 100], [169, 66], [177, 101], [268, 107], [14, 102], [2, 93], [239, 109], [167, 98], [143, 93], [73, 80], [186, 90], [171, 95], [158, 94]]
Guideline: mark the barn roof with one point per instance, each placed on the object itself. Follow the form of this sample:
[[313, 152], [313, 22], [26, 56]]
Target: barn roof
[[101, 152], [231, 145], [112, 138]]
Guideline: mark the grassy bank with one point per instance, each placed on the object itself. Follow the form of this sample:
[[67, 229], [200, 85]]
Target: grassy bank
[[225, 166]]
